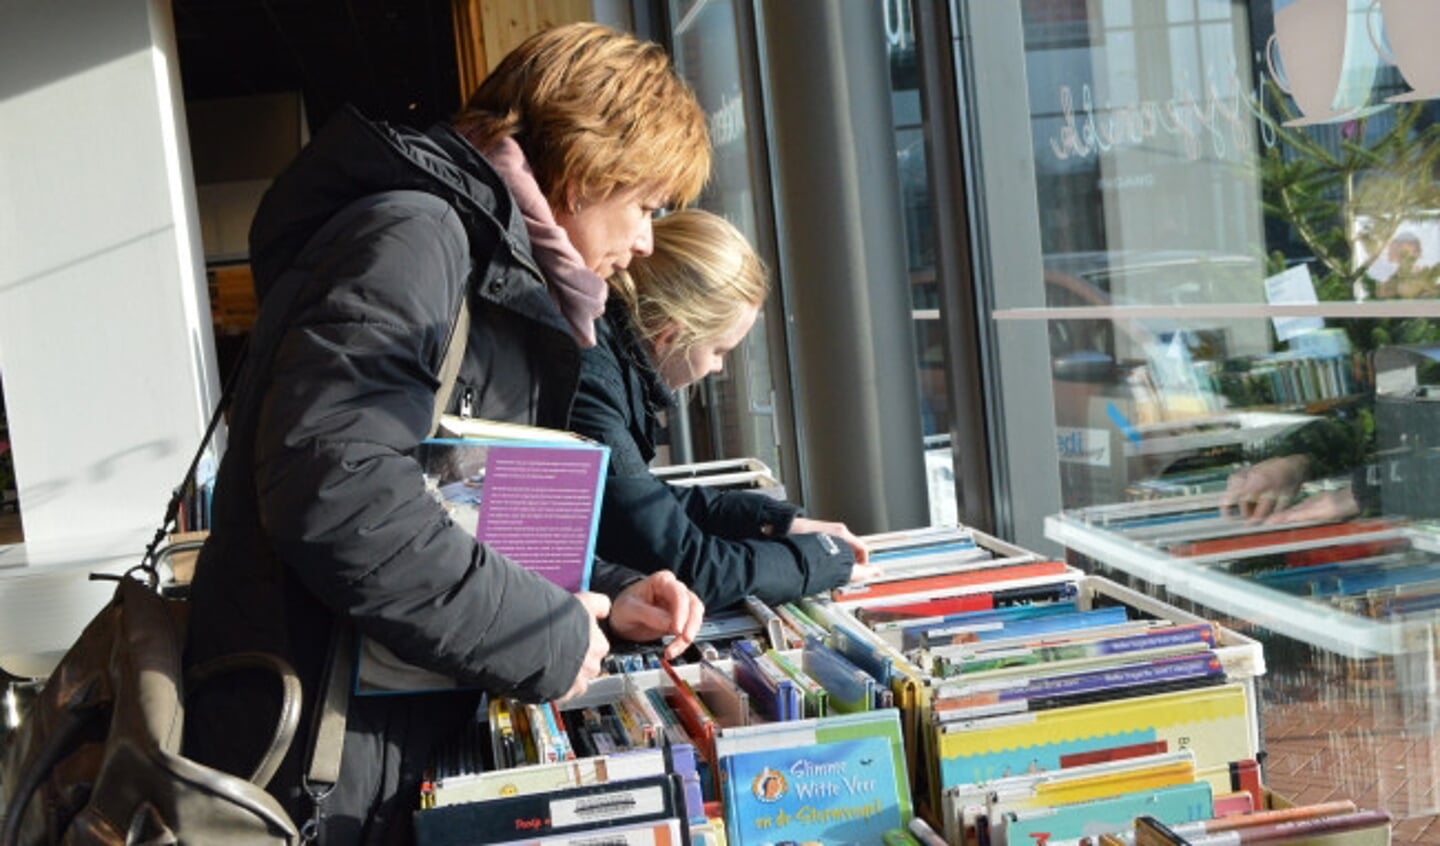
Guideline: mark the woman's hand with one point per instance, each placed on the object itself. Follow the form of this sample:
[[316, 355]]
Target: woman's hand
[[806, 526], [656, 606], [598, 605]]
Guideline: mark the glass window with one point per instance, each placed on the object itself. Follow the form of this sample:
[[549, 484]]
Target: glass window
[[732, 414], [919, 225], [1236, 236]]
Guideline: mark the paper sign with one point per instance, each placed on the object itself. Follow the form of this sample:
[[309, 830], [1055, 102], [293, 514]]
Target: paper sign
[[1293, 287]]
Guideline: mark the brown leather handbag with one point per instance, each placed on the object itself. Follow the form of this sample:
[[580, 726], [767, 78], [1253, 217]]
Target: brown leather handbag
[[97, 758]]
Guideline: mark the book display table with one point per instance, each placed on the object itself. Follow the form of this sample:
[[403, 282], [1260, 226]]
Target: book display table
[[1347, 615]]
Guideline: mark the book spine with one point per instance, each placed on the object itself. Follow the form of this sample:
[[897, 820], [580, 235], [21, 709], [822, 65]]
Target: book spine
[[976, 660], [1295, 829]]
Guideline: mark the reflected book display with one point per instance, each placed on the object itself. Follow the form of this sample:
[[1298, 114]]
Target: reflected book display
[[1350, 587]]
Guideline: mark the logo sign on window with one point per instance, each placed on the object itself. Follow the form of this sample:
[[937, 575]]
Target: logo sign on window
[[1084, 446]]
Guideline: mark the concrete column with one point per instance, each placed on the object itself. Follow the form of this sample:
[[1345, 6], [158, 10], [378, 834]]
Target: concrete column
[[105, 334], [842, 269]]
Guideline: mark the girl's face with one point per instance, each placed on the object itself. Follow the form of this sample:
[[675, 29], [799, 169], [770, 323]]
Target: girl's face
[[681, 367], [610, 232]]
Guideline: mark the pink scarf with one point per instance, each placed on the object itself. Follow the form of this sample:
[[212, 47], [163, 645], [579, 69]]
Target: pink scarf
[[578, 291]]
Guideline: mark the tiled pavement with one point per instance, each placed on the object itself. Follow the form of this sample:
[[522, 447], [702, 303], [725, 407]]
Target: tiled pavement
[[1351, 738]]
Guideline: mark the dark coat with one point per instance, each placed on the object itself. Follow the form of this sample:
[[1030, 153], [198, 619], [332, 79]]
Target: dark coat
[[724, 544], [362, 251]]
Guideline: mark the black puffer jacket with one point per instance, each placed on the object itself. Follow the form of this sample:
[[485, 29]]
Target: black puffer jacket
[[362, 250], [723, 544]]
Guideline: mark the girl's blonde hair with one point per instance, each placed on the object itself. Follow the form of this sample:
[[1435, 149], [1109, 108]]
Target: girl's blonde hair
[[701, 277], [594, 110]]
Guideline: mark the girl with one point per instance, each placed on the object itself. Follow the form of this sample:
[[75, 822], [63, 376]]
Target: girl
[[670, 320]]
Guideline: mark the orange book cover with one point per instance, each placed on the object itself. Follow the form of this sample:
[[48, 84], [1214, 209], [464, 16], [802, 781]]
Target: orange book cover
[[964, 581], [1280, 537]]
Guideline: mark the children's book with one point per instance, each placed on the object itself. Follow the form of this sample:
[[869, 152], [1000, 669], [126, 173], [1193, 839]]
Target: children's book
[[1214, 722], [960, 582], [1066, 824], [663, 833], [1042, 692], [910, 634], [536, 817], [530, 493], [543, 778], [840, 779]]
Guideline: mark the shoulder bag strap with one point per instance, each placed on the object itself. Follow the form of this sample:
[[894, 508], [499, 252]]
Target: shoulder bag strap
[[328, 728]]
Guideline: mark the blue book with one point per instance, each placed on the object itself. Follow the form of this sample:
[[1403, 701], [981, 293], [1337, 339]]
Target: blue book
[[907, 634], [1058, 823], [850, 689], [839, 779], [774, 694], [969, 633]]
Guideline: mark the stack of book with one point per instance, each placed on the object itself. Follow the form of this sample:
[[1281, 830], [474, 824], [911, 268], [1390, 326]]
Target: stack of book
[[745, 750], [1053, 705], [976, 689]]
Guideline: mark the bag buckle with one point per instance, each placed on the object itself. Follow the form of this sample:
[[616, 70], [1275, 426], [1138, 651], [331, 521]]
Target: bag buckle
[[318, 793]]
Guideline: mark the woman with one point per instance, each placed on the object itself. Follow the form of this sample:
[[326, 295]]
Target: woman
[[670, 321], [364, 250]]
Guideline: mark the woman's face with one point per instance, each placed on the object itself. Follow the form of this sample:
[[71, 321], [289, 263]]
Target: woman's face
[[685, 367], [610, 232]]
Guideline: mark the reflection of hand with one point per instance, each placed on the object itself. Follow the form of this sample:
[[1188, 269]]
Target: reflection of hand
[[1270, 486], [806, 526], [656, 606], [599, 607], [1320, 508]]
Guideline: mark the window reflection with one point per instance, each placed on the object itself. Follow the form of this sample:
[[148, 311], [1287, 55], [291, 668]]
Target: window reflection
[[1250, 191]]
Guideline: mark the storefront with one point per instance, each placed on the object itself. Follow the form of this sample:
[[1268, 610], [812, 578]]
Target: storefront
[[1159, 243]]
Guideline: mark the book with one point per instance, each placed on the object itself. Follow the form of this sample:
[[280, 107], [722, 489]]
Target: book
[[1352, 828], [992, 661], [913, 633], [1068, 823], [965, 803], [542, 778], [728, 701], [1035, 693], [572, 810], [530, 493], [773, 693], [662, 833], [840, 779], [956, 634], [1099, 781], [960, 582], [1216, 723], [849, 689], [815, 698]]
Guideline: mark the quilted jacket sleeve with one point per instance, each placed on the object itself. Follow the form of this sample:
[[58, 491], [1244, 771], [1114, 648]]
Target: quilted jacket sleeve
[[341, 498]]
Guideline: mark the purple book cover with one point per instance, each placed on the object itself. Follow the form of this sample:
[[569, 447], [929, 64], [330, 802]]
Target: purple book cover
[[980, 659], [1159, 671], [540, 507], [536, 503]]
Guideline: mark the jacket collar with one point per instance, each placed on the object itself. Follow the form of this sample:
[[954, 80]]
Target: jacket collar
[[351, 157], [618, 329]]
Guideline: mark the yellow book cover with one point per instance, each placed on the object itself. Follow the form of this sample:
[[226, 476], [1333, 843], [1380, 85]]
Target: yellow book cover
[[1213, 722]]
